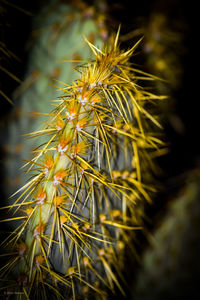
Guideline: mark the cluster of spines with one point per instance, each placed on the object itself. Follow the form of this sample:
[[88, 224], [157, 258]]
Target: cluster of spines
[[76, 208], [58, 35]]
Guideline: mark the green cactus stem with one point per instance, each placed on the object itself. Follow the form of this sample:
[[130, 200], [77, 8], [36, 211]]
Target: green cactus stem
[[87, 188]]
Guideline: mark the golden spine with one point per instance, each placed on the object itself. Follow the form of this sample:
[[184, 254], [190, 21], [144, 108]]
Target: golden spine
[[85, 196]]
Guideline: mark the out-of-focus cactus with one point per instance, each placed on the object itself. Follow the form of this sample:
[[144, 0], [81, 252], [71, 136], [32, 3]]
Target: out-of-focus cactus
[[85, 196], [161, 41], [170, 266], [162, 51]]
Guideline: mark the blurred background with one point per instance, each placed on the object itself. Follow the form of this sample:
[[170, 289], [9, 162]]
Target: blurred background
[[169, 264]]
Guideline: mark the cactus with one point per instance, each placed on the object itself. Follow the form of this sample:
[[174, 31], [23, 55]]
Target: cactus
[[162, 54], [62, 28], [174, 248], [89, 182], [163, 50], [161, 41]]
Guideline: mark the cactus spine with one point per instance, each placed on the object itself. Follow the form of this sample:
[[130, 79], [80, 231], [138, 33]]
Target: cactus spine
[[57, 35], [81, 204]]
